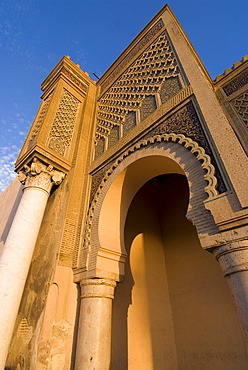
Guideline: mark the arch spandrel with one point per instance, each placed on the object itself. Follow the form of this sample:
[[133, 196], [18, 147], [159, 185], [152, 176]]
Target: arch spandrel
[[104, 248]]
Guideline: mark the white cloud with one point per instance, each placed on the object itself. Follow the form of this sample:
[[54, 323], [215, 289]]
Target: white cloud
[[8, 155]]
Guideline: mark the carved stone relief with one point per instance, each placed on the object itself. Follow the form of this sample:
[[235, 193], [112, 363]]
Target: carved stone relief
[[186, 122], [241, 106], [153, 142], [152, 78], [144, 41], [238, 82], [40, 119], [40, 175], [74, 79], [60, 135]]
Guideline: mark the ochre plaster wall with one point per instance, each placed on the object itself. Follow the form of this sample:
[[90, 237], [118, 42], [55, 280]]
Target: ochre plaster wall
[[174, 310], [207, 331], [56, 338], [143, 334]]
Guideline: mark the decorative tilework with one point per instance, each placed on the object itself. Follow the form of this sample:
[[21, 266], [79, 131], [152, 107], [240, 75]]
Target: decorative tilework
[[99, 149], [56, 144], [148, 106], [61, 132], [114, 136], [130, 122], [241, 106], [170, 87], [238, 82], [185, 121]]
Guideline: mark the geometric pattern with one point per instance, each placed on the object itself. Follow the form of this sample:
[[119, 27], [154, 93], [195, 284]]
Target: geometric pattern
[[114, 136], [40, 119], [185, 121], [155, 71], [236, 84], [130, 122], [99, 149], [241, 106], [62, 128], [171, 86], [154, 30], [148, 106]]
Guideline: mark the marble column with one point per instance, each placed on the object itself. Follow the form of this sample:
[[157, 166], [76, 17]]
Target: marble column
[[94, 333], [18, 249], [233, 259]]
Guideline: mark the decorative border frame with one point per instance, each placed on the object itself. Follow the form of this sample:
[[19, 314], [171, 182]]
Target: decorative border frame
[[189, 144]]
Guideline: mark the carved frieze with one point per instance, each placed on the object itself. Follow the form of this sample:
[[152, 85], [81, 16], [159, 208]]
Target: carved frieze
[[74, 79], [236, 84], [241, 106], [184, 122], [151, 143]]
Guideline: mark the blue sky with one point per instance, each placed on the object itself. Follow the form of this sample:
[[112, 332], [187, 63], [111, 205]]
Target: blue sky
[[35, 34]]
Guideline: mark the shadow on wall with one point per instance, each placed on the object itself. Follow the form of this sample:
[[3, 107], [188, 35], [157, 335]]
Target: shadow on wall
[[173, 308]]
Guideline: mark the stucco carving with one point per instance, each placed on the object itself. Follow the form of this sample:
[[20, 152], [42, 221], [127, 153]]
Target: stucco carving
[[40, 119], [39, 175], [198, 151], [184, 121], [147, 37], [62, 128], [151, 79], [74, 79], [189, 144], [241, 106], [238, 82]]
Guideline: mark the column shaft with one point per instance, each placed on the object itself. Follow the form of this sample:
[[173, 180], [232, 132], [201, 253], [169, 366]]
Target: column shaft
[[19, 247], [94, 334], [15, 261]]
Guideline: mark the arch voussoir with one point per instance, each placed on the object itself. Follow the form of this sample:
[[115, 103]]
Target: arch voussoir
[[197, 167]]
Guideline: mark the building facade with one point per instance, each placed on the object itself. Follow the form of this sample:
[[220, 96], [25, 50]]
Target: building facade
[[124, 239]]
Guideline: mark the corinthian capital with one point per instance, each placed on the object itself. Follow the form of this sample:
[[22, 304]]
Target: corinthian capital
[[39, 175]]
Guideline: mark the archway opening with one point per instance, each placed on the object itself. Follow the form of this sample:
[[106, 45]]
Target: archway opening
[[173, 310]]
